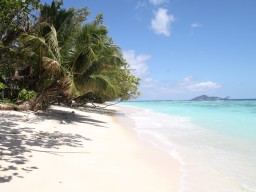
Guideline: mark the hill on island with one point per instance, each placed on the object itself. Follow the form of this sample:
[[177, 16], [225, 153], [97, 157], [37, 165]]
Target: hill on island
[[207, 98]]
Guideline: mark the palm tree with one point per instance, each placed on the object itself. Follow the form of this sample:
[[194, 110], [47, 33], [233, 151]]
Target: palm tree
[[74, 69]]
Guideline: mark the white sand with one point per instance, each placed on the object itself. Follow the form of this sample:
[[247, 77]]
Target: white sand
[[63, 151]]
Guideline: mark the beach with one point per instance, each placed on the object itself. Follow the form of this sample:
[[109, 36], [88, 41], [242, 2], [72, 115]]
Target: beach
[[67, 149]]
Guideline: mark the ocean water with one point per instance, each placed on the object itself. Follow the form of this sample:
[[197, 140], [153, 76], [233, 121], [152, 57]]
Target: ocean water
[[214, 141]]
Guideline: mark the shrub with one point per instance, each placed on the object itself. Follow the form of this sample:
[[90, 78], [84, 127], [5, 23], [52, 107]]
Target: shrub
[[26, 95]]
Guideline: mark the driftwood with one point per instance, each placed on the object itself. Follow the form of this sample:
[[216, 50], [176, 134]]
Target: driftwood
[[22, 107], [5, 107]]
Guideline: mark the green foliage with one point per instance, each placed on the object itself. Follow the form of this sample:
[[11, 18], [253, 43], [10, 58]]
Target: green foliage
[[2, 86], [5, 101], [15, 17], [26, 95]]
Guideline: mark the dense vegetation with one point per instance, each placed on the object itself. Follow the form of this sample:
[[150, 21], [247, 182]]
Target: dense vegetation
[[49, 54]]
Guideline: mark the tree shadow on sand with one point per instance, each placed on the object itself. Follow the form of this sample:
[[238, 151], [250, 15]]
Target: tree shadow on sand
[[17, 142], [69, 116]]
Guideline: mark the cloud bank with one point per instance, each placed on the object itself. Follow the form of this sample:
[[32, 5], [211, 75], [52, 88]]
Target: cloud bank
[[185, 88], [154, 89]]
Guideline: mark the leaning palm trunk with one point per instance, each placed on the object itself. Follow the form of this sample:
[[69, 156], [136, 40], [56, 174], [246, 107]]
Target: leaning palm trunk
[[40, 102], [56, 93]]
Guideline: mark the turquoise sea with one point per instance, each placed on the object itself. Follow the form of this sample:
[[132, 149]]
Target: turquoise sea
[[214, 141]]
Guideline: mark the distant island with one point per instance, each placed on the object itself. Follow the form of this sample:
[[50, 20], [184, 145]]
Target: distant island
[[207, 98]]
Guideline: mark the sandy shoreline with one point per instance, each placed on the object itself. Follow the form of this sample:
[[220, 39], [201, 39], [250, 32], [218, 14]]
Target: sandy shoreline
[[72, 150]]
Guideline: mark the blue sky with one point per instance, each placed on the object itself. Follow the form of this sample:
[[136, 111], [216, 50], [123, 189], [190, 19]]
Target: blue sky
[[184, 48]]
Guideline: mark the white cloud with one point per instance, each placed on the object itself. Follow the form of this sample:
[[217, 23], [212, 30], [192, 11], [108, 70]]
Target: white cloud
[[196, 25], [187, 79], [162, 22], [193, 86], [203, 86], [158, 2], [137, 62]]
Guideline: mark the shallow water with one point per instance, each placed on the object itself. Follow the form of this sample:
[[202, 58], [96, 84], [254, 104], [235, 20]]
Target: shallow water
[[214, 141]]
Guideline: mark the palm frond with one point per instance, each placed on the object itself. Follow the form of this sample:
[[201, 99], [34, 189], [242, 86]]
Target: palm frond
[[99, 83], [37, 45], [33, 41], [52, 66], [70, 89], [52, 41], [81, 50], [104, 85]]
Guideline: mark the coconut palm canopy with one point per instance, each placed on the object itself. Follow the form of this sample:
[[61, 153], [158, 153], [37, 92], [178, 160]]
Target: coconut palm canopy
[[71, 59]]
